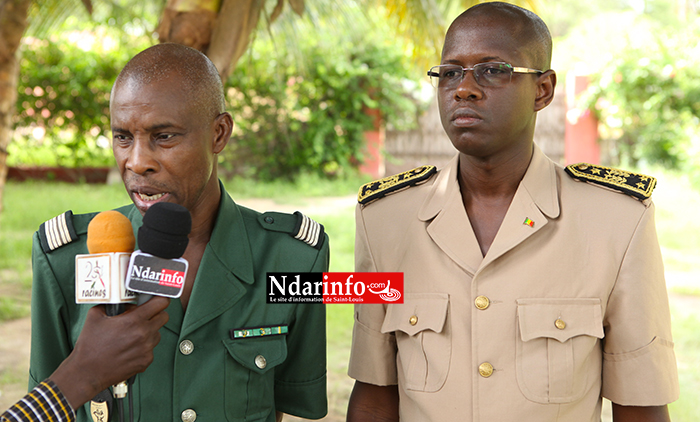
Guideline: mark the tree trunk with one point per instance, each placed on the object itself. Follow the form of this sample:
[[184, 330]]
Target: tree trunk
[[219, 28], [236, 21], [13, 22]]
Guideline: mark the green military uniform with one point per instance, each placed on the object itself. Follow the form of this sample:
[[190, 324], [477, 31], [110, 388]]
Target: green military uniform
[[202, 369]]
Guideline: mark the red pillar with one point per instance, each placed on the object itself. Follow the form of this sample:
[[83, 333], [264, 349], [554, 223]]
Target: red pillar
[[373, 159], [581, 130]]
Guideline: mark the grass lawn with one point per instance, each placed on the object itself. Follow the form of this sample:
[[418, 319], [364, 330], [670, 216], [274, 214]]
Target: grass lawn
[[29, 204]]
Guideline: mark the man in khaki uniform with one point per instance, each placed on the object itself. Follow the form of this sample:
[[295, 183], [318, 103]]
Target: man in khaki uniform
[[531, 291]]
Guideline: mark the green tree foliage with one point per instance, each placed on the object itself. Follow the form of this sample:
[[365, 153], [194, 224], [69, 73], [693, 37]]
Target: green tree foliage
[[647, 99], [310, 115], [63, 105]]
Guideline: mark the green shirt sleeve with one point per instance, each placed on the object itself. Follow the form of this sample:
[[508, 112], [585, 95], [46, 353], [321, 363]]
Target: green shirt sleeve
[[300, 382]]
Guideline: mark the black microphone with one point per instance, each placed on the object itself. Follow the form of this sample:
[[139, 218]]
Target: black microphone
[[157, 267]]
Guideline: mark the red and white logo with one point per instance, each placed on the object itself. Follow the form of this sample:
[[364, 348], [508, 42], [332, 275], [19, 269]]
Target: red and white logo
[[362, 287], [171, 278]]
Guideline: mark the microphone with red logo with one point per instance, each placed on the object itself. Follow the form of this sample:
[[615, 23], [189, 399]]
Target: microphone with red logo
[[157, 267], [100, 274]]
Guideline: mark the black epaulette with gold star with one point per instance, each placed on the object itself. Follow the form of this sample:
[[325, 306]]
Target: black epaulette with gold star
[[382, 187], [633, 184], [57, 232]]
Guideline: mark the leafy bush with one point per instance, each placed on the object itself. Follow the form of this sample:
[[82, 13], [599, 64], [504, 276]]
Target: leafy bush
[[62, 114], [648, 102], [311, 114]]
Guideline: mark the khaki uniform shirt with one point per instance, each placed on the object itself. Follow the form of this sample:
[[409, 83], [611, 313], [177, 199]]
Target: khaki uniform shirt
[[555, 315], [199, 369]]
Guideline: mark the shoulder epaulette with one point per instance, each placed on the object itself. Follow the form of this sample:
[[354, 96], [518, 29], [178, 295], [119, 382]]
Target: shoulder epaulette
[[637, 185], [57, 232], [382, 187], [296, 225]]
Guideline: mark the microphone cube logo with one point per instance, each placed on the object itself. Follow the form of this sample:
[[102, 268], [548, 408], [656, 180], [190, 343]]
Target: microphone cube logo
[[99, 278], [153, 275], [334, 287]]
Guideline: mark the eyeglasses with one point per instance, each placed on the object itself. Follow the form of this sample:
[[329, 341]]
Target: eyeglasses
[[486, 74]]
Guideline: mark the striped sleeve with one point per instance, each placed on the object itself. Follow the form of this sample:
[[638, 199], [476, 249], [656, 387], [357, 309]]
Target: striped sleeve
[[44, 403]]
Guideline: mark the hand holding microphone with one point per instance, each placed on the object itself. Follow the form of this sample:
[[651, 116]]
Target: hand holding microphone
[[110, 349], [111, 274]]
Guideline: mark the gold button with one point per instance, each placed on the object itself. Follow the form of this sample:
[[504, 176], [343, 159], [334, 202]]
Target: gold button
[[186, 347], [560, 324], [413, 320], [188, 415], [482, 302], [485, 369], [260, 361]]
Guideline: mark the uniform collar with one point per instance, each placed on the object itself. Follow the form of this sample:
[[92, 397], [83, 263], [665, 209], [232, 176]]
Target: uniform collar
[[229, 240], [535, 203], [540, 183]]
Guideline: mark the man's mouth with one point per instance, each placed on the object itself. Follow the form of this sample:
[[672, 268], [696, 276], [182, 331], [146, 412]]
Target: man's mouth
[[148, 198]]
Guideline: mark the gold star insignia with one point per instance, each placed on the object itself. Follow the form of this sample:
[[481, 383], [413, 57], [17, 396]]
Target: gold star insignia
[[640, 185], [595, 171]]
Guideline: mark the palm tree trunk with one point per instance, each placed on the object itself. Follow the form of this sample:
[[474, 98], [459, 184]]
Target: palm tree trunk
[[219, 28], [13, 22], [236, 21]]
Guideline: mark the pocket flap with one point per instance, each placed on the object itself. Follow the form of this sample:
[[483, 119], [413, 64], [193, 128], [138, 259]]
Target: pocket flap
[[258, 354], [419, 311], [560, 319]]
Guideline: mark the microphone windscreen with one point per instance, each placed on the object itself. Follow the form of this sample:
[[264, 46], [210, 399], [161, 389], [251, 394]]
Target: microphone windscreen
[[110, 231], [165, 229]]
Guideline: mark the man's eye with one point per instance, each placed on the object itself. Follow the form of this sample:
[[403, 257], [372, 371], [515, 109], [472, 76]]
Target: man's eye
[[495, 70], [164, 136], [452, 73]]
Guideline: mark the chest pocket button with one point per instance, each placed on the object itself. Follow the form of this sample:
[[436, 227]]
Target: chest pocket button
[[260, 361]]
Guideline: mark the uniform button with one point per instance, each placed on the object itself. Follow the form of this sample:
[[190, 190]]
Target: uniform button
[[269, 220], [560, 324], [188, 415], [485, 369], [186, 347], [260, 361], [482, 302], [413, 320]]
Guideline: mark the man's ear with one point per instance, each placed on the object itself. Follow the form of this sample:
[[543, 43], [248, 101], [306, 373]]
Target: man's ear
[[545, 89], [223, 126]]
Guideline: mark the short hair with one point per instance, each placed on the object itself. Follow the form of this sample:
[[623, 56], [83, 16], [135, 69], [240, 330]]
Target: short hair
[[201, 79], [530, 28]]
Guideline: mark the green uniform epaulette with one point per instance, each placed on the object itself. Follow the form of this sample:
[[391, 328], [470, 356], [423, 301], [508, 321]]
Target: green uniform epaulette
[[634, 184], [296, 225], [382, 187], [57, 232]]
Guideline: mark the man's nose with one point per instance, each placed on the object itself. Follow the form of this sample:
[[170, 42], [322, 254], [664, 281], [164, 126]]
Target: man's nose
[[142, 157], [468, 88]]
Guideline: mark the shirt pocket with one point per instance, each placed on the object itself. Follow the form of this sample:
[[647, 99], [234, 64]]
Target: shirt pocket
[[558, 354], [249, 393], [422, 330]]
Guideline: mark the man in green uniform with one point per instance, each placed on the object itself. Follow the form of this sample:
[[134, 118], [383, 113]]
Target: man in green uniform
[[224, 354]]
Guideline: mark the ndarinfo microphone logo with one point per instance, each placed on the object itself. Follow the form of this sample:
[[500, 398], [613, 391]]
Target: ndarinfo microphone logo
[[153, 275]]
